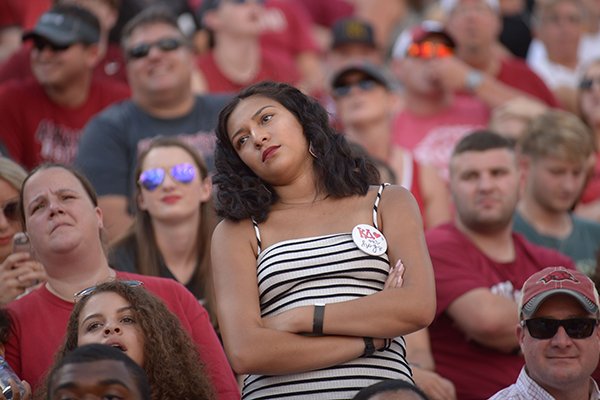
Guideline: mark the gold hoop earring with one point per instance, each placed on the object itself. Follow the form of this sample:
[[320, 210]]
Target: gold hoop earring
[[311, 151]]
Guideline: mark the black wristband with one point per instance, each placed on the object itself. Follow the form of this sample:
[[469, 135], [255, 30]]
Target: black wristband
[[369, 347], [318, 319]]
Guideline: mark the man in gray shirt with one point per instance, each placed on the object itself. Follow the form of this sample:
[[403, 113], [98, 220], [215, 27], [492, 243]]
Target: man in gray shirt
[[160, 66]]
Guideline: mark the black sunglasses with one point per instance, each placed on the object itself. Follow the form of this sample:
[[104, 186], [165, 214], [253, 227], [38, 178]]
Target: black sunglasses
[[40, 44], [143, 49], [88, 291], [587, 83], [364, 84], [546, 328], [10, 209]]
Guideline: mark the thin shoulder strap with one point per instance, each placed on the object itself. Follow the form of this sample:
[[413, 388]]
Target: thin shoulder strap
[[257, 232], [376, 205]]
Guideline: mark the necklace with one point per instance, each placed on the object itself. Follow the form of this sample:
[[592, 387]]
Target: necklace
[[302, 203]]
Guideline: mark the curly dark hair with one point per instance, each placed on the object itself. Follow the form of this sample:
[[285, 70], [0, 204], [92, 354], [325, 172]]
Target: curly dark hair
[[242, 194], [171, 359]]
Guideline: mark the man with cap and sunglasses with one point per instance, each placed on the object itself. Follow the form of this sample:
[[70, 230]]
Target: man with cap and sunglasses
[[558, 336], [435, 116], [43, 116]]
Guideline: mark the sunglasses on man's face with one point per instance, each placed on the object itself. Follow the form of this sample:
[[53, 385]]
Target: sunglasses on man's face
[[546, 328], [365, 84], [427, 50], [10, 209], [143, 49], [88, 291], [152, 178], [587, 83], [40, 44]]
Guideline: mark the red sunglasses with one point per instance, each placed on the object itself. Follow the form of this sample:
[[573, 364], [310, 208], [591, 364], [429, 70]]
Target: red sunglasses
[[427, 50]]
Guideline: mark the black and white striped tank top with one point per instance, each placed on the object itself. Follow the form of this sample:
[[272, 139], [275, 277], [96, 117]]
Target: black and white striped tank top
[[323, 269]]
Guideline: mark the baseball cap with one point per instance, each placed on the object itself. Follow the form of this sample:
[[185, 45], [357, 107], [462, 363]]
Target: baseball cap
[[66, 25], [418, 34], [352, 31], [373, 71], [554, 280]]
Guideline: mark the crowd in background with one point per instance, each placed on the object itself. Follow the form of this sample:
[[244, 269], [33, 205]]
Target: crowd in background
[[486, 111]]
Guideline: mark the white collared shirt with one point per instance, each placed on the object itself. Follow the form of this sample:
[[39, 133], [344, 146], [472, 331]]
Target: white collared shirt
[[527, 389]]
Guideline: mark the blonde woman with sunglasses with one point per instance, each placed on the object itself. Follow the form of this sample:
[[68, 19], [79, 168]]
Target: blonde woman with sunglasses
[[174, 219], [64, 223], [18, 270]]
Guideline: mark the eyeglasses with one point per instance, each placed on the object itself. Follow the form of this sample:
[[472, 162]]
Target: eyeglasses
[[365, 84], [40, 44], [428, 50], [143, 49], [546, 328], [588, 83], [88, 291], [10, 209], [153, 178]]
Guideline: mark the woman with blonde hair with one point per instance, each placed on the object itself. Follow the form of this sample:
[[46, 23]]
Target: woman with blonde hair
[[18, 270]]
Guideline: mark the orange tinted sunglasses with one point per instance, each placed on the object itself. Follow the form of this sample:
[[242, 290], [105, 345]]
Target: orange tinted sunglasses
[[429, 50]]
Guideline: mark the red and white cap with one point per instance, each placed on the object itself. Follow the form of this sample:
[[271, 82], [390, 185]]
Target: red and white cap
[[554, 280]]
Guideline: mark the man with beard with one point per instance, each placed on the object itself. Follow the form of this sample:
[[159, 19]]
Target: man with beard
[[480, 266]]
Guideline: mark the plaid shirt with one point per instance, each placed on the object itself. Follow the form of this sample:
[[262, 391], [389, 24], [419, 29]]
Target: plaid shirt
[[526, 389]]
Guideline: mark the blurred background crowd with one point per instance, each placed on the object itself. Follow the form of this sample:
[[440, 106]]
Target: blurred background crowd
[[92, 83]]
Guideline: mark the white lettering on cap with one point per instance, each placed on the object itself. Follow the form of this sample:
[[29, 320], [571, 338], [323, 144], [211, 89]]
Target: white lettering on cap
[[54, 19]]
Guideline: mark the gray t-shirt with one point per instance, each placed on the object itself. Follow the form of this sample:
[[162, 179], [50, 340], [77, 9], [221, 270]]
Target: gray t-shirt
[[112, 140], [581, 245]]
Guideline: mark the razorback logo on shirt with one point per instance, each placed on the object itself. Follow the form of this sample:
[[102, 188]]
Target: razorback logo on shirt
[[558, 276]]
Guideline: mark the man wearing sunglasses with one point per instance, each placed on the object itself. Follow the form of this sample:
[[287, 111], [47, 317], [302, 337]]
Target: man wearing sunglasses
[[43, 117], [160, 66], [434, 116], [558, 335]]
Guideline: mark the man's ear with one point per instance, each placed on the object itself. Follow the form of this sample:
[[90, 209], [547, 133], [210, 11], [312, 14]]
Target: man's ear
[[520, 333], [93, 55]]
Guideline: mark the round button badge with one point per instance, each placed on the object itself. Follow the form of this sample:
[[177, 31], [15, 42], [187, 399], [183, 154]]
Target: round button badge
[[369, 239]]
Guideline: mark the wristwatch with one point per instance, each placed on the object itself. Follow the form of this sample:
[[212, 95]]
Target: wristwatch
[[473, 80], [369, 347]]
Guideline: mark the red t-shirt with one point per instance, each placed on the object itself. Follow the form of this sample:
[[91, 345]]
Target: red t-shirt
[[515, 73], [39, 322], [432, 138], [36, 130], [459, 266], [23, 13], [591, 192], [287, 29], [271, 68]]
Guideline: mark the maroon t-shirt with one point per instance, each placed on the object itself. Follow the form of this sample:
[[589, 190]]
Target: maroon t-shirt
[[459, 266]]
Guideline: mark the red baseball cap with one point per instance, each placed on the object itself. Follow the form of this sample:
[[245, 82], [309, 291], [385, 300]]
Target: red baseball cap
[[554, 280]]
